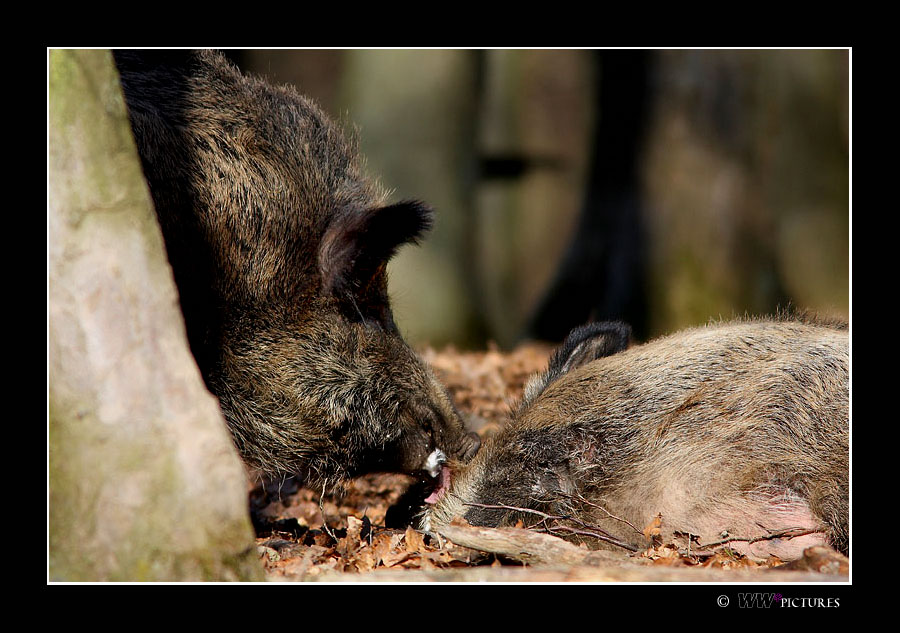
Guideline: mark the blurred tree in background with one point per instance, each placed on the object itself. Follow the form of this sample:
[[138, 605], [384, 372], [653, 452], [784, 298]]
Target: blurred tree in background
[[747, 171], [663, 187]]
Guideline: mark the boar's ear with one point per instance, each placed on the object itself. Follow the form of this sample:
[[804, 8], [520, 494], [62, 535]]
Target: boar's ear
[[582, 345], [357, 245], [586, 343]]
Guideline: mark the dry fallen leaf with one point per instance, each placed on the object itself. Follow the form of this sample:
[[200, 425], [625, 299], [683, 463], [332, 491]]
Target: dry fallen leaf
[[354, 526], [662, 554], [365, 560], [381, 546], [395, 558], [653, 528], [415, 542]]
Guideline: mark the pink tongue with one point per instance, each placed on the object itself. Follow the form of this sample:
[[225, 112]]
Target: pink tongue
[[439, 492]]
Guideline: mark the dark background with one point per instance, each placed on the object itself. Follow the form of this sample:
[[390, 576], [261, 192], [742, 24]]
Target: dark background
[[662, 187]]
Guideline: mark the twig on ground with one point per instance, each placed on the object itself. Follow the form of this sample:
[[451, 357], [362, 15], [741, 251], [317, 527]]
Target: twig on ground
[[786, 533], [606, 538], [581, 499], [322, 510]]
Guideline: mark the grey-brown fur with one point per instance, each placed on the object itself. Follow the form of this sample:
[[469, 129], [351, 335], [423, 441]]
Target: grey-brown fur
[[739, 427], [279, 243]]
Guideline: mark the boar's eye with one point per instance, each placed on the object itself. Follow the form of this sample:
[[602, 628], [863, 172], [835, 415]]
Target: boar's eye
[[371, 316], [374, 315], [422, 417], [386, 322]]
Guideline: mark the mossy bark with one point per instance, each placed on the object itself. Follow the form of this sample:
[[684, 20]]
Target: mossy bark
[[145, 484]]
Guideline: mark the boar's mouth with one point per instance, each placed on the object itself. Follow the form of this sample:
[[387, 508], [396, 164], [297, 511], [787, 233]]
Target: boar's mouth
[[436, 465], [436, 468], [435, 475], [441, 485]]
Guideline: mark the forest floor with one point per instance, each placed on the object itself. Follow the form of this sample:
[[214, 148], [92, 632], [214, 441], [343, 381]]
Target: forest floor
[[363, 534]]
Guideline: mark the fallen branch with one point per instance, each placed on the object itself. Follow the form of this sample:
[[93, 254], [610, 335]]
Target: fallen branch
[[589, 530], [533, 548], [550, 524]]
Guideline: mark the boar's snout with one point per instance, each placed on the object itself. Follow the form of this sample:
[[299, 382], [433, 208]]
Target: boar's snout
[[445, 441], [445, 424], [468, 447]]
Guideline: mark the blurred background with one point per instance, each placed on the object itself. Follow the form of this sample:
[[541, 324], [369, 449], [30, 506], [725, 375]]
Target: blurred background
[[660, 187]]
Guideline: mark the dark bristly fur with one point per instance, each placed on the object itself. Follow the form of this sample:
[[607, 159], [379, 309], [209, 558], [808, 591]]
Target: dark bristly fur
[[279, 243], [740, 427]]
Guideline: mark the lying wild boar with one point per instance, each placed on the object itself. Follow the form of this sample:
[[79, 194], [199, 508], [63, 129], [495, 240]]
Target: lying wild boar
[[279, 244], [737, 428]]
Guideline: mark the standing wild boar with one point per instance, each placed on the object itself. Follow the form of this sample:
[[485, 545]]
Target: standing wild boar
[[737, 427], [279, 245]]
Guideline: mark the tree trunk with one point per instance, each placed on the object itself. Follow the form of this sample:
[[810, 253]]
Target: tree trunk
[[145, 483]]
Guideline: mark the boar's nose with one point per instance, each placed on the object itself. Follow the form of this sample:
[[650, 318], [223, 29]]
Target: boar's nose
[[469, 446]]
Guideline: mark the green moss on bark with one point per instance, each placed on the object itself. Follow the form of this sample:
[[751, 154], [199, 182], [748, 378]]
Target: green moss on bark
[[144, 482]]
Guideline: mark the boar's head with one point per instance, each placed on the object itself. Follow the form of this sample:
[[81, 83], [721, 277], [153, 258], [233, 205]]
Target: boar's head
[[332, 391], [279, 246], [525, 465]]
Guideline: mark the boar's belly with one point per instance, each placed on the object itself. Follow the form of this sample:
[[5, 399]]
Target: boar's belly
[[753, 516]]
